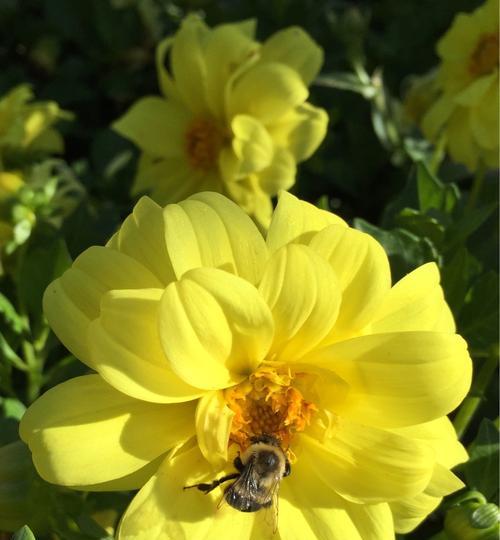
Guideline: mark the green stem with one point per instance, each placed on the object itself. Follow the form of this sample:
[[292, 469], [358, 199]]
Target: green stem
[[35, 368], [477, 186], [471, 404]]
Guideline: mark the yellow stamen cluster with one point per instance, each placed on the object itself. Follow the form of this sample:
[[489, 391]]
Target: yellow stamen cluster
[[484, 59], [203, 141], [268, 403]]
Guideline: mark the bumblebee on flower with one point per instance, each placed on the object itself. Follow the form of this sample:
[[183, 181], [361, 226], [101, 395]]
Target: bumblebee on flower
[[232, 118], [206, 336]]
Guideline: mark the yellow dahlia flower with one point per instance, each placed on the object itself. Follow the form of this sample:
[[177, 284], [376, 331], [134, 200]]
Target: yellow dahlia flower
[[29, 125], [466, 114], [204, 334], [232, 117]]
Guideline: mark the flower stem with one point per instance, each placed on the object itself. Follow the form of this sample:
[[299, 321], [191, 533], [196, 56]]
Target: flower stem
[[34, 373], [477, 186], [471, 404]]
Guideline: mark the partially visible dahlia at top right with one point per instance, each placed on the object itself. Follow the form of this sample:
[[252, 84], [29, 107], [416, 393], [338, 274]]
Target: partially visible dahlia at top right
[[203, 333]]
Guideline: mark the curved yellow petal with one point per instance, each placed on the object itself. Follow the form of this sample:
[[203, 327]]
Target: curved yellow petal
[[436, 117], [252, 145], [126, 349], [362, 268], [156, 126], [142, 237], [266, 91], [71, 302], [188, 63], [370, 465], [165, 81], [301, 131], [441, 435], [144, 180], [399, 379], [215, 328], [164, 510], [229, 48], [484, 119], [295, 48], [416, 302], [296, 221], [213, 427], [84, 432], [210, 230], [303, 294], [461, 144], [280, 175]]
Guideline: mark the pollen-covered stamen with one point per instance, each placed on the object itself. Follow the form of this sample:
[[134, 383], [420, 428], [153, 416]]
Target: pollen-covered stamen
[[268, 402], [203, 141], [484, 59]]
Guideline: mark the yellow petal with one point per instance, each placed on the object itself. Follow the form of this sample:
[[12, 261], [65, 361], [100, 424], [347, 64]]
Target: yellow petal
[[461, 144], [301, 131], [126, 349], [252, 145], [164, 510], [84, 432], [436, 117], [294, 47], [71, 302], [366, 464], [229, 48], [188, 64], [474, 93], [209, 230], [297, 221], [213, 427], [142, 237], [280, 175], [362, 268], [266, 91], [303, 294], [143, 181], [416, 302], [156, 126], [215, 328], [484, 118], [165, 81], [399, 379], [441, 435]]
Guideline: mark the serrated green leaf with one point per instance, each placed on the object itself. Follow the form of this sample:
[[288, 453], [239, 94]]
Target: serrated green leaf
[[24, 533], [482, 470]]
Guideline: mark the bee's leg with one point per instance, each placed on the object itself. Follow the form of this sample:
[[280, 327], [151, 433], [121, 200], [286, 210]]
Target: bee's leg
[[238, 464], [207, 488]]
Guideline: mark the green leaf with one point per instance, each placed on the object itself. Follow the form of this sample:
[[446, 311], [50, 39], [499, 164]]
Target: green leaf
[[8, 354], [479, 317], [46, 259], [432, 193], [24, 533], [421, 224], [12, 318], [481, 471], [12, 408]]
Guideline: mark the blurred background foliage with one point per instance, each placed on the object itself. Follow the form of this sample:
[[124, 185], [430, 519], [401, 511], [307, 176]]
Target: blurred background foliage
[[95, 58]]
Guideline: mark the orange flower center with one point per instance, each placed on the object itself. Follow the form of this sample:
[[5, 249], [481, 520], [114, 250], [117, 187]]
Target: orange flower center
[[484, 59], [270, 403], [203, 141]]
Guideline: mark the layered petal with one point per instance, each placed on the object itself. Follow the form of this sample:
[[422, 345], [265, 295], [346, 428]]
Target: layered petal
[[213, 427], [266, 91], [303, 294], [301, 131], [209, 230], [280, 175], [163, 509], [296, 221], [416, 302], [399, 379], [293, 47], [83, 432], [71, 302], [156, 126], [142, 237], [362, 268], [215, 328], [126, 349], [369, 465]]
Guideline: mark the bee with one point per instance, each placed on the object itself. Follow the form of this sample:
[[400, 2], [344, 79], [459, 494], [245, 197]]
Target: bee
[[260, 470]]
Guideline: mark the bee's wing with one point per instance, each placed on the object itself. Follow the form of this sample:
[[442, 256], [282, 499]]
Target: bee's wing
[[246, 485], [272, 511]]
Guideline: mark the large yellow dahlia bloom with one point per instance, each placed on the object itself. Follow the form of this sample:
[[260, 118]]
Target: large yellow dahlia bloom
[[233, 116], [203, 334], [467, 112]]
